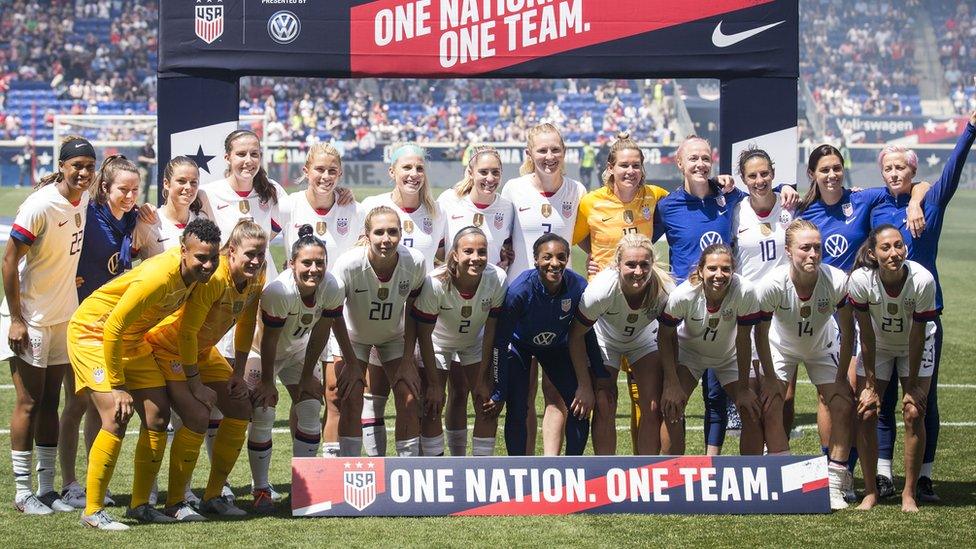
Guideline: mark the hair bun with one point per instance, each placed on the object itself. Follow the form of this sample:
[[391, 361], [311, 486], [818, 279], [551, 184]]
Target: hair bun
[[304, 230], [623, 135]]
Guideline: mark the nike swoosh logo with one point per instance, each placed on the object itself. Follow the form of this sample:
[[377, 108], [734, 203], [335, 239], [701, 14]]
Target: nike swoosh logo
[[523, 209], [848, 221], [222, 206], [456, 216], [608, 313], [360, 291], [292, 314], [605, 219], [446, 308], [162, 239], [697, 319], [722, 40], [782, 308], [62, 223], [743, 230], [564, 317], [722, 212]]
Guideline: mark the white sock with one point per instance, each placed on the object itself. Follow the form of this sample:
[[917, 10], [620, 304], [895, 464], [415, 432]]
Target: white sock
[[926, 470], [47, 459], [21, 460], [330, 449], [483, 446], [430, 446], [350, 446], [259, 456], [374, 428], [409, 447], [303, 445], [457, 441], [884, 468], [215, 417]]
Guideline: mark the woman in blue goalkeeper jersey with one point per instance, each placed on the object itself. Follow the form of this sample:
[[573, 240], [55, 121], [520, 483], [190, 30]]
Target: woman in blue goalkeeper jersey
[[540, 305], [898, 166], [110, 243]]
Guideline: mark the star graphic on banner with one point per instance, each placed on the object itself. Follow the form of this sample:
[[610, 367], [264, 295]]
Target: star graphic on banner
[[932, 160], [951, 126], [201, 159], [929, 126], [45, 158], [359, 465], [346, 465], [372, 465]]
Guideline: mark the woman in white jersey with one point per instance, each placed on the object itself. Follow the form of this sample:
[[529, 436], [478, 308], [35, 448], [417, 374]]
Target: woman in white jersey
[[338, 226], [801, 298], [39, 267], [894, 302], [381, 281], [297, 311], [624, 302], [474, 201], [423, 229], [181, 205], [455, 314], [716, 310], [546, 201]]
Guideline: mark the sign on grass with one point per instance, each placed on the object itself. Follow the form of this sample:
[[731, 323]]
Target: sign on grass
[[435, 486]]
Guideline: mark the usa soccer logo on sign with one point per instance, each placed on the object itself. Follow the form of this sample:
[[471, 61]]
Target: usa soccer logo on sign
[[209, 22], [359, 488]]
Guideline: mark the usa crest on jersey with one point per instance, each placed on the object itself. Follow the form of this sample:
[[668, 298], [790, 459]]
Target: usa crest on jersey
[[568, 209], [404, 287], [342, 225], [208, 22], [823, 305], [486, 304], [910, 305], [566, 305], [428, 225], [727, 315], [847, 209], [499, 220], [646, 213]]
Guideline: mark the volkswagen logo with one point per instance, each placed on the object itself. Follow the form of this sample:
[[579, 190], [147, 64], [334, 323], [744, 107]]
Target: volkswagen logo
[[835, 245], [709, 238], [284, 26], [544, 339]]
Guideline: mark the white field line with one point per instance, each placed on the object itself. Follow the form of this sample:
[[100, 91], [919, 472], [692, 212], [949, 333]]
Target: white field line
[[970, 386], [806, 427]]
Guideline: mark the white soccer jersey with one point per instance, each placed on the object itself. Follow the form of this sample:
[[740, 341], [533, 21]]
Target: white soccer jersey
[[339, 226], [617, 324], [537, 214], [374, 308], [163, 235], [460, 319], [226, 207], [711, 334], [283, 307], [495, 220], [802, 326], [54, 230], [759, 241], [422, 230], [892, 316]]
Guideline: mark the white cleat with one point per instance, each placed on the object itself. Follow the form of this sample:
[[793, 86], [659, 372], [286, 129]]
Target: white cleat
[[30, 505], [183, 512], [100, 520], [74, 495], [52, 500], [192, 499]]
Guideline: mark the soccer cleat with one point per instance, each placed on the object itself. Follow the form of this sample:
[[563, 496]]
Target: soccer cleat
[[148, 513], [886, 486], [192, 499], [227, 492], [925, 492], [184, 512], [74, 495], [222, 507], [30, 505], [847, 488], [52, 500], [263, 501], [108, 501], [276, 496], [835, 482], [100, 520]]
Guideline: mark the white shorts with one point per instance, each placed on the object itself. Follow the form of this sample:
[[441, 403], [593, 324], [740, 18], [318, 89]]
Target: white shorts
[[885, 362], [331, 349], [444, 357], [821, 369], [226, 345], [380, 353], [288, 369], [613, 358], [726, 370], [48, 344]]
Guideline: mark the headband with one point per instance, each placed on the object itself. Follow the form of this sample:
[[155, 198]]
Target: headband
[[404, 150], [76, 147]]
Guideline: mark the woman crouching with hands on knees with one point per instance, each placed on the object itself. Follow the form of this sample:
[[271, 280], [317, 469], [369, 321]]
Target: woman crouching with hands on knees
[[539, 308], [456, 314], [894, 302], [707, 324]]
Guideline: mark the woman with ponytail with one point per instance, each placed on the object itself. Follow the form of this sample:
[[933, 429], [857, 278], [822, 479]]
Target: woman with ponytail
[[181, 205], [456, 313], [39, 268], [624, 302]]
